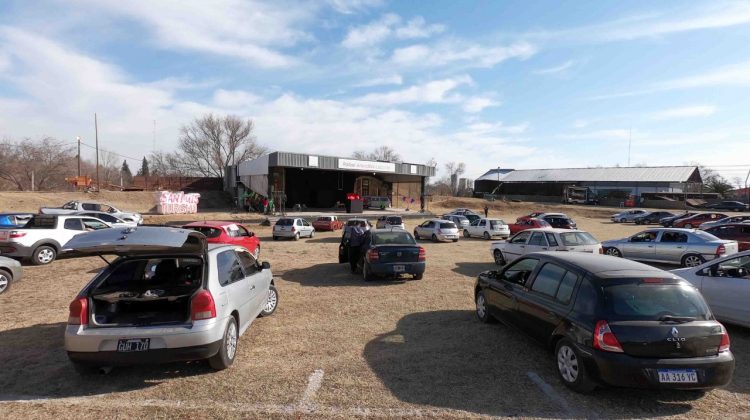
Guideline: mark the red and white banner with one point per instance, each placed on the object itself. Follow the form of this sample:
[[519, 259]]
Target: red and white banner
[[168, 202]]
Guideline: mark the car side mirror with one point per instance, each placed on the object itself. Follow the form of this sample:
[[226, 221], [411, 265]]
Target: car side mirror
[[251, 234], [265, 265]]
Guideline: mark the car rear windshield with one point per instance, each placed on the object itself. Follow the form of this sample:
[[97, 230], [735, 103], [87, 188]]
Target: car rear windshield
[[40, 222], [638, 300], [356, 223], [496, 224], [285, 222], [392, 238], [324, 219], [210, 232], [705, 235], [448, 225], [577, 238], [394, 220]]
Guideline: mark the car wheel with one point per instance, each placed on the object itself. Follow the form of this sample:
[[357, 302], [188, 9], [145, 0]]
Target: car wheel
[[486, 236], [418, 276], [466, 234], [434, 238], [571, 368], [688, 226], [499, 259], [481, 307], [312, 234], [366, 275], [638, 222], [271, 302], [225, 356], [43, 255], [692, 260], [416, 235], [275, 238], [5, 279], [613, 252], [296, 236], [623, 220]]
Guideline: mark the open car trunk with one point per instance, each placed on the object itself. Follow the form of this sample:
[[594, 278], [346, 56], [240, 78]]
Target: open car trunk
[[146, 291]]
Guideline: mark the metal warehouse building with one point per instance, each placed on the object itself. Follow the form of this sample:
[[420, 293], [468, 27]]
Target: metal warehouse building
[[318, 181], [660, 182]]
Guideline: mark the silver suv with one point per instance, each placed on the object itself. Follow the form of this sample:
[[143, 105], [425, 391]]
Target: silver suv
[[168, 297]]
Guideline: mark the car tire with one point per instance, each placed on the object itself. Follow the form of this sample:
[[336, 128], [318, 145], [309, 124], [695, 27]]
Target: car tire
[[43, 255], [481, 308], [688, 226], [271, 303], [416, 235], [613, 252], [228, 350], [312, 234], [486, 236], [366, 273], [275, 238], [418, 276], [455, 240], [692, 260], [434, 238], [571, 369], [5, 280], [467, 234], [638, 222], [296, 236], [623, 220], [499, 258]]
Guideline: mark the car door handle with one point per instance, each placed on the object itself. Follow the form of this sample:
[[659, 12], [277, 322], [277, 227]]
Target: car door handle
[[680, 247], [252, 287], [544, 248], [650, 246]]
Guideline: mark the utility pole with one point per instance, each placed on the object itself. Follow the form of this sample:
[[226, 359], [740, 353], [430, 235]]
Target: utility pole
[[746, 189], [96, 133], [78, 138]]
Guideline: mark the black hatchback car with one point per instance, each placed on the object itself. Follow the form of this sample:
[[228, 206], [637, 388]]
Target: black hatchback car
[[391, 252], [610, 321]]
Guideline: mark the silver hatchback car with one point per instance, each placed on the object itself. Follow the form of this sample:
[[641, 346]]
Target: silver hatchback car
[[168, 297]]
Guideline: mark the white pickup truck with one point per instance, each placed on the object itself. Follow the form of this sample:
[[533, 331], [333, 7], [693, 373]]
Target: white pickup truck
[[42, 238], [72, 207]]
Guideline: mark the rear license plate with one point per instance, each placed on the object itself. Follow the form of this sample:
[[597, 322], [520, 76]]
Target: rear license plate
[[133, 344], [399, 268], [675, 376]]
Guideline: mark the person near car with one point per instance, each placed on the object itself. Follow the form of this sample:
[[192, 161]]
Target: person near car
[[486, 211], [356, 239]]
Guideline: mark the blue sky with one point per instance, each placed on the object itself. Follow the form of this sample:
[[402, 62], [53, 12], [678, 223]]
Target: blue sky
[[515, 84]]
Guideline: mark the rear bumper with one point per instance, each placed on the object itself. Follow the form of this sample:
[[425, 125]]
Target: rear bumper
[[113, 358], [382, 269], [618, 369], [285, 234], [447, 237], [12, 249]]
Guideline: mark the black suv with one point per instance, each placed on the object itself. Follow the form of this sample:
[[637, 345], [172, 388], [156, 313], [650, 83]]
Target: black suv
[[610, 321]]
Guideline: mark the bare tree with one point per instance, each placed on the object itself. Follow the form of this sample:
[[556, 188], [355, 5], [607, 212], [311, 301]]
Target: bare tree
[[384, 153], [454, 171], [110, 172], [36, 164]]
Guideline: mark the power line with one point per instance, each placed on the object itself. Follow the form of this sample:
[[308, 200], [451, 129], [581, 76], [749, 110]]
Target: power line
[[109, 151]]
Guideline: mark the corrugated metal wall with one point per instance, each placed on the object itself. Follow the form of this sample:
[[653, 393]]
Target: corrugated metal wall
[[300, 160]]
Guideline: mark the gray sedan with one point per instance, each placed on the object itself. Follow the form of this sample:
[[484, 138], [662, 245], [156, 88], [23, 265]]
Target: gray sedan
[[461, 221], [10, 271], [686, 247], [725, 283]]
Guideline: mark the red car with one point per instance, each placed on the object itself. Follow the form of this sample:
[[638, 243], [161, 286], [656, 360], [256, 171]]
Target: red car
[[739, 232], [695, 220], [328, 223], [528, 224], [529, 216], [227, 233]]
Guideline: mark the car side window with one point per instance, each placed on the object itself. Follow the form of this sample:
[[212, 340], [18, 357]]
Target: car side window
[[644, 237], [482, 222], [587, 299], [229, 267], [73, 224], [537, 238], [520, 238], [565, 291], [90, 206], [242, 232], [249, 265], [735, 268], [93, 224], [475, 223], [519, 271], [548, 279], [551, 239], [673, 237]]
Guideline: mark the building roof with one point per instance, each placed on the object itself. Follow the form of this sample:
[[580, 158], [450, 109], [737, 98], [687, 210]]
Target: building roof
[[492, 175], [639, 174]]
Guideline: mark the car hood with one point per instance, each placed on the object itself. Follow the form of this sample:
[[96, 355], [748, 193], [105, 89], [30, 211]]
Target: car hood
[[137, 241]]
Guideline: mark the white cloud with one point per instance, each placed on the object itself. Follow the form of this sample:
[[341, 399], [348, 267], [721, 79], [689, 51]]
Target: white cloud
[[489, 128], [234, 99], [418, 28], [556, 69], [437, 91], [388, 26], [605, 135], [348, 7], [394, 79], [459, 52], [478, 103], [684, 112]]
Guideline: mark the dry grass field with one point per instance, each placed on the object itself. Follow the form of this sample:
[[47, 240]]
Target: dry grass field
[[337, 347]]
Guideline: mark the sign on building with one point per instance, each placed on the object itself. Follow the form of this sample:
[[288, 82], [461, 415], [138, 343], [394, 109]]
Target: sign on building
[[168, 202], [366, 165]]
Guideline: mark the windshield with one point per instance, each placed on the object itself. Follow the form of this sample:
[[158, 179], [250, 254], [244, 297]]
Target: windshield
[[206, 230], [324, 219], [394, 220], [360, 223], [652, 301], [71, 205], [448, 225], [392, 238], [285, 222], [495, 224], [577, 238]]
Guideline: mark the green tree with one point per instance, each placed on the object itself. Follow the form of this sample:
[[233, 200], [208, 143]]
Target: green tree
[[127, 176], [144, 168]]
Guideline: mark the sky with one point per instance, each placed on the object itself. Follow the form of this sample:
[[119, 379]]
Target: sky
[[512, 84]]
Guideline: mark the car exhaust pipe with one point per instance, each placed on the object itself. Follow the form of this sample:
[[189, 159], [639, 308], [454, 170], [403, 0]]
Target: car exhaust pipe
[[105, 370]]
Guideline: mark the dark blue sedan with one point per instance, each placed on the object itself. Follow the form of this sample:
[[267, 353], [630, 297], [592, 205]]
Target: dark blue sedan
[[391, 253]]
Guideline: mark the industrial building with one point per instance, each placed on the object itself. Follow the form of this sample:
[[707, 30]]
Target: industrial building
[[317, 181]]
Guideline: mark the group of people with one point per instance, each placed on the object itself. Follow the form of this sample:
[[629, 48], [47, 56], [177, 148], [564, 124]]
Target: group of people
[[260, 204]]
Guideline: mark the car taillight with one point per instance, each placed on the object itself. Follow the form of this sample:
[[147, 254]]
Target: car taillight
[[16, 234], [373, 256], [724, 345], [721, 250], [202, 306], [601, 250], [604, 338], [422, 254], [79, 311]]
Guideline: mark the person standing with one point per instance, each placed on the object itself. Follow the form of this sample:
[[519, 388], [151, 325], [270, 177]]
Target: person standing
[[265, 205], [486, 211], [356, 239]]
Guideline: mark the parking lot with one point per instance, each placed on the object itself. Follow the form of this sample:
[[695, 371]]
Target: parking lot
[[336, 347]]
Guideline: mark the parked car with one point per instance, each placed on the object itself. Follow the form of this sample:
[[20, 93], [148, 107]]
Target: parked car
[[390, 221], [292, 227], [728, 206], [610, 322], [559, 220], [437, 230], [391, 252], [628, 215], [364, 224], [14, 220], [462, 211], [229, 233], [686, 247], [532, 215], [356, 221], [668, 221], [487, 229], [725, 284], [331, 223], [461, 221], [170, 296], [528, 224], [472, 217], [739, 232], [547, 239], [72, 207], [41, 239], [651, 217], [725, 221], [111, 220], [695, 220], [10, 271], [377, 202]]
